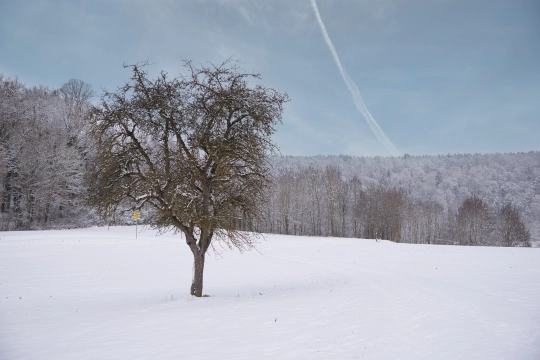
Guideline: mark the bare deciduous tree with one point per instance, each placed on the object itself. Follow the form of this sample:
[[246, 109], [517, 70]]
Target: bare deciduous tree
[[511, 229], [76, 94], [332, 181], [194, 148], [475, 222]]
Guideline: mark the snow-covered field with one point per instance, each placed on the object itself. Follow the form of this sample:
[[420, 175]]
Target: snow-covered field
[[102, 294]]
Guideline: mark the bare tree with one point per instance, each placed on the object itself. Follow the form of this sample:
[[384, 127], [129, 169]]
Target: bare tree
[[76, 95], [511, 229], [284, 185], [475, 222], [394, 201], [315, 201], [332, 181], [357, 207], [384, 213], [343, 199], [194, 148]]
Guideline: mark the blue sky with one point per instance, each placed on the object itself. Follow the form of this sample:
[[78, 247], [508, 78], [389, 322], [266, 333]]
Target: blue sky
[[438, 76]]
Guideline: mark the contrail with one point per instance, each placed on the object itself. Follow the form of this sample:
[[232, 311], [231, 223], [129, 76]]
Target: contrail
[[355, 93]]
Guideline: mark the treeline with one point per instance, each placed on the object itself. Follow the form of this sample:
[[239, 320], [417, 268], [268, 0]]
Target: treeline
[[43, 152], [322, 202], [443, 181]]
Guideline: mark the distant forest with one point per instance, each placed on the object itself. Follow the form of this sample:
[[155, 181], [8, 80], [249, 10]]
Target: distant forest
[[449, 199]]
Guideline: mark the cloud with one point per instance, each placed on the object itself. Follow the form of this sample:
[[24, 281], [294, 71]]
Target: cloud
[[355, 93]]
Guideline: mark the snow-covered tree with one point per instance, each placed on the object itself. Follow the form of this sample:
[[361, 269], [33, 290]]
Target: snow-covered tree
[[41, 165]]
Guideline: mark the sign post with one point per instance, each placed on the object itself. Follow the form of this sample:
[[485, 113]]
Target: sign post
[[136, 216]]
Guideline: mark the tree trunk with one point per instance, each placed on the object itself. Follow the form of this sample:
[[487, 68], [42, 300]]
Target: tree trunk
[[197, 282]]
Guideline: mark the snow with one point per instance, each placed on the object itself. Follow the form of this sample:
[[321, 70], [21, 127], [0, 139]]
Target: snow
[[100, 293]]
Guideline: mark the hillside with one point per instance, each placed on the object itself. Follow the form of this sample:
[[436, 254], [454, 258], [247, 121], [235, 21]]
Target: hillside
[[446, 180]]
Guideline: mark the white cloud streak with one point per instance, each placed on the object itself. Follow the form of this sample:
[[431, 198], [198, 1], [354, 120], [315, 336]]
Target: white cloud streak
[[355, 93]]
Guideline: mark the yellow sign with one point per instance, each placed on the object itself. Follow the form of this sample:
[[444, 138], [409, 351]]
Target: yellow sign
[[137, 215]]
